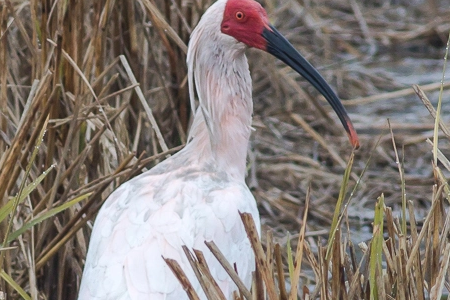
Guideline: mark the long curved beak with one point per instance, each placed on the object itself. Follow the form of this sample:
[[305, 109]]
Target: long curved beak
[[279, 46]]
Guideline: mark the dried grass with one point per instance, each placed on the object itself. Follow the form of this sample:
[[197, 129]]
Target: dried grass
[[106, 82]]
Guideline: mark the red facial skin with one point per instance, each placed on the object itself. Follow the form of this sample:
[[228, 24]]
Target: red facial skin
[[245, 20]]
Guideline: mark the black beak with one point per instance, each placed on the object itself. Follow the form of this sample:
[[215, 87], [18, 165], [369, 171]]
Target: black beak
[[279, 46]]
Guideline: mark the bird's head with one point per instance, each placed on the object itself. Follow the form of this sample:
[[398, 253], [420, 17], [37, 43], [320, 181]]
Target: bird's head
[[247, 22]]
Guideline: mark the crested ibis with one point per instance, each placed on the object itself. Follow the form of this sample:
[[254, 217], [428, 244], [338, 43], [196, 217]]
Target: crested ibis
[[196, 194]]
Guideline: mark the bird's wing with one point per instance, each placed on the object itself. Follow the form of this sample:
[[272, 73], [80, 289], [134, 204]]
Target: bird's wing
[[153, 216]]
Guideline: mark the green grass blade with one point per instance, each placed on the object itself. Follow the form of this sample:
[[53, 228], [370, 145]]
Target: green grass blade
[[46, 215], [403, 186], [290, 258], [39, 141], [14, 284], [401, 171], [376, 250], [438, 110], [338, 209], [8, 207]]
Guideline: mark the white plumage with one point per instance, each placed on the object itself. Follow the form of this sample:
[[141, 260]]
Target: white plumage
[[192, 196], [155, 214]]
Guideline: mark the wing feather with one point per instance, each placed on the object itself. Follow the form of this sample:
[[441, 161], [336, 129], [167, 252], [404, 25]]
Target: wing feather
[[146, 218]]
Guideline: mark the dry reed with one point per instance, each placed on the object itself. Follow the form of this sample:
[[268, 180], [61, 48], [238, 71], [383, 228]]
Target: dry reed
[[92, 94]]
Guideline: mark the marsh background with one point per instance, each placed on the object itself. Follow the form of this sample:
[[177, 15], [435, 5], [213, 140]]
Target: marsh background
[[81, 70]]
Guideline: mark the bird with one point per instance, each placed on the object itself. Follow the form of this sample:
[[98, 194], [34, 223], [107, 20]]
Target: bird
[[196, 195]]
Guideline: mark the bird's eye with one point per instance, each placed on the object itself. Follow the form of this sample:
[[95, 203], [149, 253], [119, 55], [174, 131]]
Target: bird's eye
[[239, 15]]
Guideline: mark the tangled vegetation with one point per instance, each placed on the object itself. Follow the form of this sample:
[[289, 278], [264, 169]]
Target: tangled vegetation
[[94, 93]]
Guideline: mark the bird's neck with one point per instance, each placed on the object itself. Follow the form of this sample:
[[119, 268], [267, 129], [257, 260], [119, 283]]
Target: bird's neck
[[221, 129]]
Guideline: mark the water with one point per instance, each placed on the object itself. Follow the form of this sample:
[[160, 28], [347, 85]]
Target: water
[[404, 73]]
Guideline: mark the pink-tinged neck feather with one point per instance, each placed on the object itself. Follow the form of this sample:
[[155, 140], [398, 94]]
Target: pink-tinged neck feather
[[218, 67]]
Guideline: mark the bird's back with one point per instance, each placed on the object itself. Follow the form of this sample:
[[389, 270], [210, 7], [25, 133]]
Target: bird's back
[[153, 215]]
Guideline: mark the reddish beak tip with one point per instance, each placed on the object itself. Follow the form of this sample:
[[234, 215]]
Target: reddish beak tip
[[355, 142], [353, 136]]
